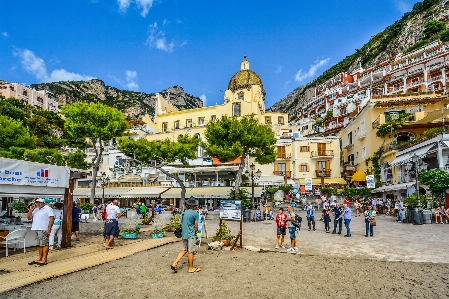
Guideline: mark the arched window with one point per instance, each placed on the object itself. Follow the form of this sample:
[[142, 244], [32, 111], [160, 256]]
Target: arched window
[[197, 135], [401, 137]]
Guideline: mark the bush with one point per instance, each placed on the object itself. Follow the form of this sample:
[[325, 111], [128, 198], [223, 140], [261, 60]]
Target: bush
[[86, 207], [444, 37], [19, 206]]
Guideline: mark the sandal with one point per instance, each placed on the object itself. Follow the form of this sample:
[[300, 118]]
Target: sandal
[[196, 270], [40, 264], [33, 263], [175, 269]]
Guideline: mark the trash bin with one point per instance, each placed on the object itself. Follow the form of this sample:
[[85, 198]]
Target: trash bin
[[247, 215], [427, 217], [417, 215]]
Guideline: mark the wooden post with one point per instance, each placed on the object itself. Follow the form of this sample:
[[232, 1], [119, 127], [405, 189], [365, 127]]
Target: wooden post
[[67, 215]]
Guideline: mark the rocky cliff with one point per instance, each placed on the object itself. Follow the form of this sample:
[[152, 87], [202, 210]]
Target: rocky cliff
[[133, 104], [395, 39]]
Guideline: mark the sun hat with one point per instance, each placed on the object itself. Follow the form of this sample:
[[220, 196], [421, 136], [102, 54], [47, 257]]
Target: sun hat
[[40, 200], [191, 201]]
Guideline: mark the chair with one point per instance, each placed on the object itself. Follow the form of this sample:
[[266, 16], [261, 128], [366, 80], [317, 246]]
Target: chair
[[14, 237]]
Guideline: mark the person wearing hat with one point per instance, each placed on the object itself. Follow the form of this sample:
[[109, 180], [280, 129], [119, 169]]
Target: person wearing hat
[[189, 231], [43, 219]]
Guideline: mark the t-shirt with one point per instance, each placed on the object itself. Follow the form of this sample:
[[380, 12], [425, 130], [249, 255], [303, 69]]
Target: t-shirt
[[112, 211], [76, 211], [310, 210], [58, 217], [281, 220], [143, 208], [348, 213], [337, 212], [291, 215], [41, 218], [188, 224]]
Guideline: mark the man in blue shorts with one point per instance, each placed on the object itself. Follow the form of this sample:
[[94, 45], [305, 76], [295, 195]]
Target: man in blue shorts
[[189, 230], [291, 230]]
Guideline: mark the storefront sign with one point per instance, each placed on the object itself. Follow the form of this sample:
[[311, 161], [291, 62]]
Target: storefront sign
[[14, 172], [370, 181], [308, 184]]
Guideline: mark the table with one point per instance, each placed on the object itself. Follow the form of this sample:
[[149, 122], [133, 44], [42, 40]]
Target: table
[[30, 237]]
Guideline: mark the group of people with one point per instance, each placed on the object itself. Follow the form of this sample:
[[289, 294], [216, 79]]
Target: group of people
[[441, 213]]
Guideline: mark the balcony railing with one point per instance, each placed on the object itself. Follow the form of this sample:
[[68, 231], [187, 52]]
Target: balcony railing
[[283, 173], [323, 172], [361, 135], [284, 156], [436, 78], [323, 153], [390, 147]]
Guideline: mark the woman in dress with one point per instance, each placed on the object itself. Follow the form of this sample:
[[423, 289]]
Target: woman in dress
[[357, 207], [370, 214]]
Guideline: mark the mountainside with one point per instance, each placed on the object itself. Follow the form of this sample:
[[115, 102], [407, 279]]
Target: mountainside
[[132, 104], [402, 36]]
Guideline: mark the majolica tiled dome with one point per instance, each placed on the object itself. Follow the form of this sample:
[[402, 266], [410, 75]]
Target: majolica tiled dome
[[245, 78]]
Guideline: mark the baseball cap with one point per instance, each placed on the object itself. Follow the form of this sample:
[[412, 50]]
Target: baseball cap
[[40, 200]]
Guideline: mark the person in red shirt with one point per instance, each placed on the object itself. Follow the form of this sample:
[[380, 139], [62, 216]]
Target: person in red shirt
[[281, 228], [347, 202]]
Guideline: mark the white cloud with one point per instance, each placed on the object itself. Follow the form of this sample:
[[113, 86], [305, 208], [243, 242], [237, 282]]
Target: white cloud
[[131, 78], [301, 75], [156, 38], [278, 69], [36, 66], [286, 84], [204, 99], [144, 5], [183, 43], [404, 6], [5, 34]]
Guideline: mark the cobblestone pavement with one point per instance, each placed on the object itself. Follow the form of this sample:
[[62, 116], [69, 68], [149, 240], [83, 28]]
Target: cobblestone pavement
[[392, 240]]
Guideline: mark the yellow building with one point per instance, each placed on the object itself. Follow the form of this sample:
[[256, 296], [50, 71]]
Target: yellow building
[[245, 95]]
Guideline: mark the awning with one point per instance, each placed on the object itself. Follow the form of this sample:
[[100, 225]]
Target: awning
[[122, 192], [271, 179], [208, 192], [395, 187], [340, 181], [359, 176], [30, 191], [420, 152], [432, 116]]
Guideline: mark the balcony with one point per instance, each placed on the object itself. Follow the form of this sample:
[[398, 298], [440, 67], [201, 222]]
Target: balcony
[[284, 156], [361, 135], [390, 147], [348, 145], [323, 172], [286, 173], [436, 78], [323, 153]]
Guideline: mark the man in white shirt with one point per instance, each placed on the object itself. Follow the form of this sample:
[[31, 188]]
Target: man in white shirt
[[43, 219], [112, 216]]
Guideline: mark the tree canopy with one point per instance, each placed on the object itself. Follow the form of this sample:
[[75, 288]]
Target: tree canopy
[[436, 180], [229, 138], [163, 152], [97, 122]]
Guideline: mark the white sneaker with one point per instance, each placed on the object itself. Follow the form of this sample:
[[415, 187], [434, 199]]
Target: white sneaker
[[290, 250], [296, 249], [276, 247], [283, 246]]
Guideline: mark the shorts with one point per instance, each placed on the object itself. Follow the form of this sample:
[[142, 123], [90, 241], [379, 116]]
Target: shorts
[[292, 231], [75, 226], [41, 238], [281, 230], [111, 229], [189, 245]]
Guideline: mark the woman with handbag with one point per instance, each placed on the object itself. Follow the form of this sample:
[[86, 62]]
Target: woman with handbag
[[370, 221]]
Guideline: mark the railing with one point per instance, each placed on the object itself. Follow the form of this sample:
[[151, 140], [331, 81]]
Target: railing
[[323, 172], [347, 144], [323, 153], [284, 156], [375, 123], [436, 78], [361, 135], [390, 147], [283, 173]]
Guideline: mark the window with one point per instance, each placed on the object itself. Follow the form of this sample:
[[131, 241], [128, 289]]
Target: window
[[267, 120], [241, 97], [176, 124], [357, 154], [363, 153], [281, 152], [200, 121], [213, 118], [306, 127], [350, 138], [280, 120], [321, 165], [236, 109], [188, 123], [281, 169], [304, 148], [303, 168], [164, 127], [25, 93], [321, 149], [351, 158]]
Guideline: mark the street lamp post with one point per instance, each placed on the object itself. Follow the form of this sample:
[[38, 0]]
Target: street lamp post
[[104, 182], [418, 211], [254, 176]]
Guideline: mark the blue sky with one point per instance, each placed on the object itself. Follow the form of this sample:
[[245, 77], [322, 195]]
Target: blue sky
[[150, 45]]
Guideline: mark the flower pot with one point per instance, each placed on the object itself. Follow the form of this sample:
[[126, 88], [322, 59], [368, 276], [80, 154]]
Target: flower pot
[[126, 235], [160, 235], [226, 242]]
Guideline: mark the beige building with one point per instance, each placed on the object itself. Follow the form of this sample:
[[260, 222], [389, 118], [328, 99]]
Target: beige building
[[41, 99]]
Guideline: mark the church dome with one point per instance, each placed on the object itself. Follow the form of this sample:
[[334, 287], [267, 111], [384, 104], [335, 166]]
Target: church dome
[[245, 78]]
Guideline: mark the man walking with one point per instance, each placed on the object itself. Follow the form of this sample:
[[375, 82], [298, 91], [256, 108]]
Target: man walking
[[76, 212], [112, 229], [310, 215], [189, 230], [337, 212], [43, 219], [291, 230], [347, 218], [400, 207], [281, 228]]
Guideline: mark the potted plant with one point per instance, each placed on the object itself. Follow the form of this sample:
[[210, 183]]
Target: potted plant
[[147, 219], [130, 232], [175, 223], [223, 234], [20, 209], [157, 233]]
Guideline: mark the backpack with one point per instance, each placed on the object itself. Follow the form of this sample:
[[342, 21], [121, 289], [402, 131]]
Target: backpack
[[297, 222]]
